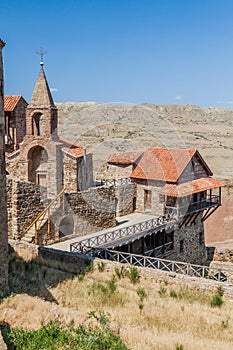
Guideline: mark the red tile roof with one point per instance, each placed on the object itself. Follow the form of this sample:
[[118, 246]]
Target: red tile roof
[[125, 158], [190, 187], [162, 164], [10, 102], [75, 151]]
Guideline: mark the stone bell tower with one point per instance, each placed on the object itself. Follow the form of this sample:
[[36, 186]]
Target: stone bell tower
[[3, 201]]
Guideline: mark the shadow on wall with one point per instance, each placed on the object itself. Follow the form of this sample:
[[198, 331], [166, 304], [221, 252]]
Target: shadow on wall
[[47, 269]]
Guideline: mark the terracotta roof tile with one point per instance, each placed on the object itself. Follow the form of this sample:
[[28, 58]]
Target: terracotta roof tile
[[125, 158], [10, 102], [162, 164], [75, 151], [190, 187]]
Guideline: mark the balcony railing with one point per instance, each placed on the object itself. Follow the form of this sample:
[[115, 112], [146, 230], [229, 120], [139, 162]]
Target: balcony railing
[[192, 207]]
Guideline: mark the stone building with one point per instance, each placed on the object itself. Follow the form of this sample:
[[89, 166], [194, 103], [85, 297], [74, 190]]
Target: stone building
[[44, 158], [178, 184], [15, 121], [3, 201]]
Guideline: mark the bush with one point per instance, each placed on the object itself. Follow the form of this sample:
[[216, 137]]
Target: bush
[[216, 300], [133, 274], [54, 336], [120, 272], [141, 293], [101, 266]]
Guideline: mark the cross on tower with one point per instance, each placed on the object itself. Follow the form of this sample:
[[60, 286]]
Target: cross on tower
[[41, 53]]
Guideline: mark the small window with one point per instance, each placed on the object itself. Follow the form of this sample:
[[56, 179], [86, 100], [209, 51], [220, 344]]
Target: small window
[[201, 238], [181, 246]]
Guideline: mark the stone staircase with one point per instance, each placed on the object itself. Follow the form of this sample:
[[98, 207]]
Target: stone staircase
[[44, 218]]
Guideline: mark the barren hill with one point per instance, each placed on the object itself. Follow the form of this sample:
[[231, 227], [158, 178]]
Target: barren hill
[[107, 128]]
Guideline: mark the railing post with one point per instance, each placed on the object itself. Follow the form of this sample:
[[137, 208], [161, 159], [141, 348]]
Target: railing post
[[49, 222], [36, 234]]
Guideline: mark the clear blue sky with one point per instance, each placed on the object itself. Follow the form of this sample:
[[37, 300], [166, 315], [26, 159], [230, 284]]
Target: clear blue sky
[[158, 51]]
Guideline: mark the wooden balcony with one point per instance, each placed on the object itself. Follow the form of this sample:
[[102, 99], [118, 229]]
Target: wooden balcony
[[178, 211]]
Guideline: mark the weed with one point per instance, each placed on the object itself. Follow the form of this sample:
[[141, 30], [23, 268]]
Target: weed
[[173, 294], [220, 290], [112, 285], [141, 293], [162, 291], [81, 277], [216, 300], [89, 267], [224, 324], [133, 274], [179, 347], [120, 272], [141, 306], [101, 266]]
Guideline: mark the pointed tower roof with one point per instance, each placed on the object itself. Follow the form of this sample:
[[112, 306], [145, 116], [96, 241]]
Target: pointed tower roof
[[41, 97]]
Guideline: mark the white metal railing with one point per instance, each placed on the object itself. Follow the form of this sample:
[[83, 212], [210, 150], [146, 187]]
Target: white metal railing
[[207, 272], [145, 227]]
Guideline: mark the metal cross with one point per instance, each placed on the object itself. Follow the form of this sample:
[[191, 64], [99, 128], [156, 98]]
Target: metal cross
[[41, 53]]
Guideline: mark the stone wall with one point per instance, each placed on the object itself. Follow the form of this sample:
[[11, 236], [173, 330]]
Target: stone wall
[[24, 203], [92, 210], [189, 243], [157, 208], [3, 200], [57, 259], [126, 197]]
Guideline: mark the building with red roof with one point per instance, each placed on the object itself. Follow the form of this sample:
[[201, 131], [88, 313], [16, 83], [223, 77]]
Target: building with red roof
[[15, 121]]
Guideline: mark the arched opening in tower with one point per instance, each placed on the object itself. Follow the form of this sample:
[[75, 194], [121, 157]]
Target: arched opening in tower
[[37, 165]]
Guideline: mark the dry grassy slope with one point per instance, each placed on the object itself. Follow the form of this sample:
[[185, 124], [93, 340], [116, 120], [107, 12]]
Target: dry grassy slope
[[105, 128]]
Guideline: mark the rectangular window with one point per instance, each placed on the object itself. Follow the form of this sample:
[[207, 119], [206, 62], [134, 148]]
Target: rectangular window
[[201, 237], [147, 200], [181, 246]]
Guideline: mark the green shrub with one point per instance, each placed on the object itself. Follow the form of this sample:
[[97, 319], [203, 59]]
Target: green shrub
[[54, 336], [162, 291], [179, 347], [141, 293], [133, 274], [101, 266], [216, 300], [220, 290], [120, 272], [173, 294]]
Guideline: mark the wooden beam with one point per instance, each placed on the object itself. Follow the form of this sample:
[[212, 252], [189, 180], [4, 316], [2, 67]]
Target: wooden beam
[[207, 215]]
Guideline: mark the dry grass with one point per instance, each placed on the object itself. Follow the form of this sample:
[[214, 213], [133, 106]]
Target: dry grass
[[171, 315]]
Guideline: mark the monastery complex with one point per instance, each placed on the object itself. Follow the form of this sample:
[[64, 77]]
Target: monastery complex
[[50, 193]]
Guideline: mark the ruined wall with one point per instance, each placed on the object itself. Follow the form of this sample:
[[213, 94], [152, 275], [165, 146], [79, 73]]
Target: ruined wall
[[92, 210], [126, 196], [24, 203], [20, 121]]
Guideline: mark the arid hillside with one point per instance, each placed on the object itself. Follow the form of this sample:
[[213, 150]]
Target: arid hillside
[[107, 128]]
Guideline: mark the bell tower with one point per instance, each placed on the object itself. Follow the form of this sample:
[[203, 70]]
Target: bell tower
[[41, 113]]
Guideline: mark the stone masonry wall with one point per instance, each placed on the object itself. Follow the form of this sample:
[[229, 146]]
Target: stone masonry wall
[[125, 195], [93, 209], [3, 201], [57, 259], [25, 202], [192, 239], [156, 207]]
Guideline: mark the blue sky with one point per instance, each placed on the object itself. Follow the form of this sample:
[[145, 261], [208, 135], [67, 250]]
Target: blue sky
[[135, 51]]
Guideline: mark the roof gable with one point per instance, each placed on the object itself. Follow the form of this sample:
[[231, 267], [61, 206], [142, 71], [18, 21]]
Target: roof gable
[[124, 158], [162, 164], [11, 101]]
